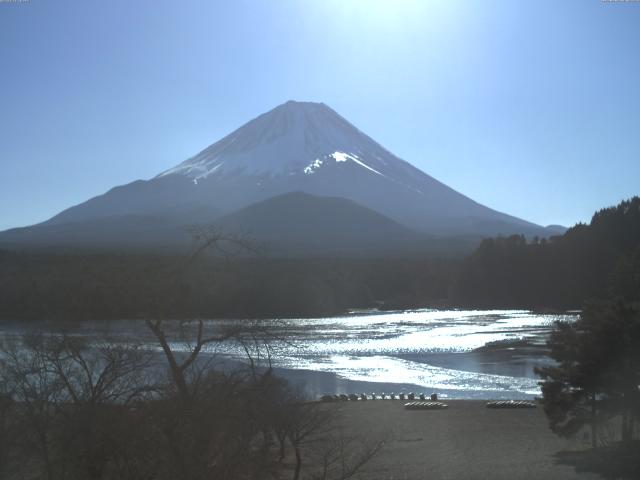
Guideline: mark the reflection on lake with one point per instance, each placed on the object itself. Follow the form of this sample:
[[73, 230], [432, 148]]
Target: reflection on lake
[[421, 351], [426, 350]]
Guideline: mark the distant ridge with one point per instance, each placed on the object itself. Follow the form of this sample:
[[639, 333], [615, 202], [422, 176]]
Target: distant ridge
[[296, 222]]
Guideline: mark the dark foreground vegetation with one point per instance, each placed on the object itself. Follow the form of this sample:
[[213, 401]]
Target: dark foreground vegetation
[[72, 409], [593, 389], [589, 261]]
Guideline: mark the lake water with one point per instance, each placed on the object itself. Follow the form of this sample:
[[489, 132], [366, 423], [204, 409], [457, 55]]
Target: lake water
[[457, 354]]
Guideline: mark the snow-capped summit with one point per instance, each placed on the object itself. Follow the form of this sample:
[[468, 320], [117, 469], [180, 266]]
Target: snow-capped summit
[[297, 147], [292, 139]]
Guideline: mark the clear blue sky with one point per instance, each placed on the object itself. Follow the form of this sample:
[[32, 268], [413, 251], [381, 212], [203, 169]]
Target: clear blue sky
[[532, 108]]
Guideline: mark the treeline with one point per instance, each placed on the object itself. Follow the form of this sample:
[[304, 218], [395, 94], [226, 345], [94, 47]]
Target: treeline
[[43, 286], [598, 260]]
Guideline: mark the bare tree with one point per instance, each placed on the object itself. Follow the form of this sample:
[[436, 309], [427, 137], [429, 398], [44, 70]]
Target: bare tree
[[312, 428], [178, 367], [68, 395], [265, 405], [213, 239]]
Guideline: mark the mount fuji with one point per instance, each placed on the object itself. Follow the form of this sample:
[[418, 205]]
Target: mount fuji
[[300, 154]]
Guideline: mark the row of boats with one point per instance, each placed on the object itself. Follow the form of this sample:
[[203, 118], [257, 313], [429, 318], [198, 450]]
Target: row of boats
[[353, 397]]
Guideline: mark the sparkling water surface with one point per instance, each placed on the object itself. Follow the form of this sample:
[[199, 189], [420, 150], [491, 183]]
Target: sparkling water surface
[[456, 353]]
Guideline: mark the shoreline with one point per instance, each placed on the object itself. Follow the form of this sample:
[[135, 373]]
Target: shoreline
[[316, 384]]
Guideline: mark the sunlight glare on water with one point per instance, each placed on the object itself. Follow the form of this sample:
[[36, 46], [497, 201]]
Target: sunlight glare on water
[[435, 349]]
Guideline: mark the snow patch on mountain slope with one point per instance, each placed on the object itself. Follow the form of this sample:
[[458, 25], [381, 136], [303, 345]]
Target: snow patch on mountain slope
[[313, 166], [343, 157], [196, 170], [339, 157]]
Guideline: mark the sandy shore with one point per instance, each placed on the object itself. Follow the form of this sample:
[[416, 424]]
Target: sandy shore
[[466, 441]]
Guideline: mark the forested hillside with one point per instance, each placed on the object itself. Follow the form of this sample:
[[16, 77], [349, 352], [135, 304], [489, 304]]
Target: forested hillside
[[80, 287], [589, 261]]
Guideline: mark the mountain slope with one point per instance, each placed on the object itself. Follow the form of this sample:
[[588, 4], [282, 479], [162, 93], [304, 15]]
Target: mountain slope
[[289, 224], [113, 232]]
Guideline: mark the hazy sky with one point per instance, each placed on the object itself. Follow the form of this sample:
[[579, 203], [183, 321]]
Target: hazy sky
[[531, 108]]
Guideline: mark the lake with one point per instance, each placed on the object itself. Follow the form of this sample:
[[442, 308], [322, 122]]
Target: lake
[[454, 353]]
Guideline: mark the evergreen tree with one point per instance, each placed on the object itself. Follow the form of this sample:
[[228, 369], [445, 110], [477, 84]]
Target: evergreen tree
[[597, 371]]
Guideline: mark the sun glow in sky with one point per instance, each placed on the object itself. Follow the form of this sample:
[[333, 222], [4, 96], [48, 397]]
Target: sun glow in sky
[[400, 15], [530, 108]]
